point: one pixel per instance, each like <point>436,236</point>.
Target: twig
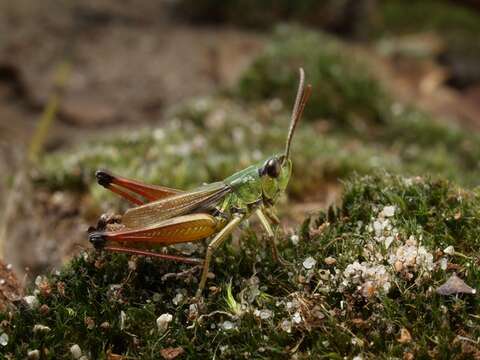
<point>181,274</point>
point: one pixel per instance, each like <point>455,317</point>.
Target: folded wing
<point>175,205</point>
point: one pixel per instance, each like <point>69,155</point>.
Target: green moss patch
<point>344,92</point>
<point>426,15</point>
<point>362,282</point>
<point>352,100</point>
<point>208,139</point>
<point>457,24</point>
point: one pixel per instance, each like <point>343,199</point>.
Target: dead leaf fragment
<point>171,353</point>
<point>398,266</point>
<point>112,356</point>
<point>451,266</point>
<point>358,322</point>
<point>61,288</point>
<point>455,285</point>
<point>330,260</point>
<point>10,289</point>
<point>405,336</point>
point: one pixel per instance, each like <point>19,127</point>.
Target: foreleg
<point>271,237</point>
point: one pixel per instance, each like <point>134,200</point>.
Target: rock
<point>228,325</point>
<point>309,263</point>
<point>164,321</point>
<point>455,285</point>
<point>39,328</point>
<point>449,250</point>
<point>31,301</point>
<point>76,351</point>
<point>389,211</point>
<point>3,339</point>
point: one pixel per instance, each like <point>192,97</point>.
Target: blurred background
<point>183,92</point>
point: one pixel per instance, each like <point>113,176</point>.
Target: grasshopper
<point>169,216</point>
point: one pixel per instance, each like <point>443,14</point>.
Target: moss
<point>345,92</point>
<point>217,137</point>
<point>458,25</point>
<point>437,147</point>
<point>260,310</point>
<point>426,15</point>
<point>352,99</point>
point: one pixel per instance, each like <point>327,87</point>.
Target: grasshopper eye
<point>271,168</point>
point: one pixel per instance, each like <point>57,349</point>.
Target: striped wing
<point>175,230</point>
<point>180,204</point>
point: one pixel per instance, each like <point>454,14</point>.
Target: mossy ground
<point>258,309</point>
<point>358,302</point>
<point>351,125</point>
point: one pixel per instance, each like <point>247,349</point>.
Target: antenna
<point>303,93</point>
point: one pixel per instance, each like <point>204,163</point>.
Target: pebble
<point>297,318</point>
<point>286,326</point>
<point>4,339</point>
<point>33,354</point>
<point>41,328</point>
<point>76,351</point>
<point>31,301</point>
<point>228,325</point>
<point>264,314</point>
<point>309,263</point>
<point>294,239</point>
<point>164,321</point>
<point>178,299</point>
<point>443,264</point>
<point>449,250</point>
<point>389,211</point>
<point>455,285</point>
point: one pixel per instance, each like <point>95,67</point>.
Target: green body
<point>250,188</point>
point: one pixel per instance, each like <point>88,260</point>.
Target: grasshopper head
<point>275,172</point>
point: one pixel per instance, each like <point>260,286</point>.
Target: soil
<point>122,73</point>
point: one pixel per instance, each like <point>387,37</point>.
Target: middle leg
<point>214,244</point>
<point>271,237</point>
